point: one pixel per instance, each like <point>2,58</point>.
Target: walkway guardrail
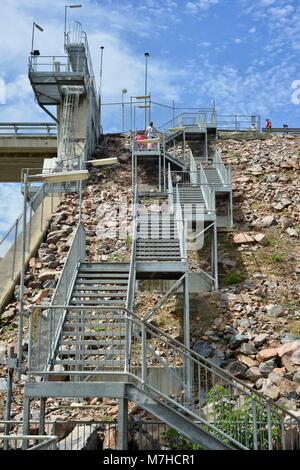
<point>207,191</point>
<point>200,119</point>
<point>170,191</point>
<point>56,64</point>
<point>223,170</point>
<point>50,325</point>
<point>181,226</point>
<point>27,129</point>
<point>38,210</point>
<point>220,403</point>
<point>238,122</point>
<point>15,442</point>
<point>142,434</point>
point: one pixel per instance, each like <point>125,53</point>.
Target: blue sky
<point>242,54</point>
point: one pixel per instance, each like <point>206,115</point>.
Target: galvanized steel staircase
<point>87,341</point>
<point>157,238</point>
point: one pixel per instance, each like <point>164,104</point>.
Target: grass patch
<point>277,258</point>
<point>271,242</point>
<point>232,278</point>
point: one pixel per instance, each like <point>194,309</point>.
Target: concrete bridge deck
<point>24,151</point>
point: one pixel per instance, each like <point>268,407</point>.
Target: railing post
<point>269,418</point>
<point>22,277</point>
<point>144,354</point>
<point>15,248</point>
<point>254,423</point>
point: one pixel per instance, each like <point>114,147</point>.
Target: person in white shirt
<point>151,134</point>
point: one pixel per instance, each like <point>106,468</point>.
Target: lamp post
<point>124,91</point>
<point>146,85</point>
<point>68,6</point>
<point>34,25</point>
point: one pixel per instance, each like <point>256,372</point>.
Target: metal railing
<point>72,434</point>
<point>145,145</point>
<point>15,442</point>
<point>27,129</point>
<point>193,171</point>
<point>38,211</point>
<point>202,119</point>
<point>50,325</point>
<point>238,122</point>
<point>57,65</point>
<point>187,383</point>
<point>170,192</point>
<point>223,170</point>
<point>207,191</point>
<point>132,276</point>
<point>181,226</point>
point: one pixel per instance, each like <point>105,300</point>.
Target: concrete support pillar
<point>122,443</point>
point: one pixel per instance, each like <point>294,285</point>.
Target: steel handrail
<point>177,355</point>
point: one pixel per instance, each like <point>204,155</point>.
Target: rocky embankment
<point>256,335</point>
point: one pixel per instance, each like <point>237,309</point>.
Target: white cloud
<point>252,30</point>
<point>200,6</point>
<point>237,40</point>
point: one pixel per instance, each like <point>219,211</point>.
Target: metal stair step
<point>104,363</point>
<point>101,281</point>
<point>67,333</point>
<point>84,275</point>
<point>91,352</point>
<point>99,288</point>
<point>92,342</point>
<point>86,293</point>
<point>103,302</point>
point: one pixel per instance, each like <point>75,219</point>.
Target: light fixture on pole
<point>68,6</point>
<point>34,25</point>
<point>146,85</point>
<point>124,91</point>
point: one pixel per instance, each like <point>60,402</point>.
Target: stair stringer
<point>174,419</point>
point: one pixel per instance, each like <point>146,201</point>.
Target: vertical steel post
<point>26,418</point>
<point>123,424</point>
<point>42,416</point>
<point>144,354</point>
<point>22,277</point>
<point>215,236</point>
<point>186,316</point>
<point>146,85</point>
<point>10,367</point>
<point>15,248</point>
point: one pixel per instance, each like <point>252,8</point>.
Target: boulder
<point>237,340</point>
<point>237,369</point>
<point>203,348</point>
<point>296,357</point>
<point>243,238</point>
<point>259,340</point>
<point>266,354</point>
<point>288,348</point>
<point>267,367</point>
<point>275,311</point>
<point>296,377</point>
<point>253,374</point>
